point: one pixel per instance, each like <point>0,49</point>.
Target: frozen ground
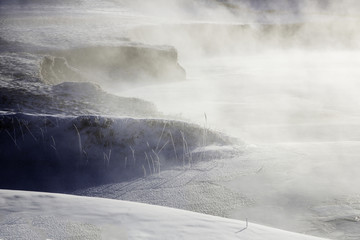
<point>31,215</point>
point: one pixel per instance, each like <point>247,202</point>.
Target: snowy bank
<point>56,153</point>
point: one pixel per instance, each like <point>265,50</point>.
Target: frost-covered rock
<point>118,66</point>
<point>71,98</point>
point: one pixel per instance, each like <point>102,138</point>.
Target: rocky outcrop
<point>58,153</point>
<point>131,64</point>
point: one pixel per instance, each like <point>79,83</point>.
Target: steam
<point>283,76</point>
<point>223,27</point>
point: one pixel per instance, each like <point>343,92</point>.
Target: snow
<point>36,215</point>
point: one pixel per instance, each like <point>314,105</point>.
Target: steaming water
<point>276,96</point>
<point>299,108</point>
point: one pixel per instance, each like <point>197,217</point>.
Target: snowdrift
<point>31,215</point>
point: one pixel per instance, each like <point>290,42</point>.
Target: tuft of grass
<point>205,133</point>
<point>158,161</point>
<point>163,147</point>
<point>148,161</point>
<point>21,130</point>
<point>153,163</point>
<point>79,140</point>
<point>162,133</point>
<point>13,138</point>
<point>107,158</point>
<point>53,145</point>
<point>133,154</point>
<point>42,135</point>
<point>26,123</point>
<point>144,170</point>
<point>173,143</point>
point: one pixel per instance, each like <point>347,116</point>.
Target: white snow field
<point>37,215</point>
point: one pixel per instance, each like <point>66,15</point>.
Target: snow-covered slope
<point>32,215</point>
